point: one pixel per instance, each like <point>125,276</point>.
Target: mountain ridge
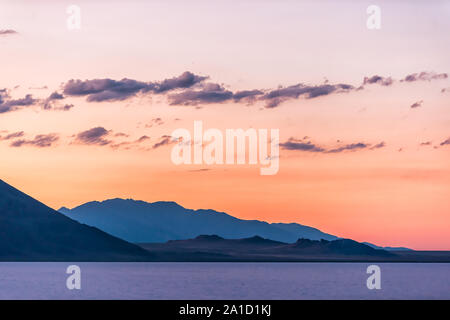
<point>169,215</point>
<point>169,218</point>
<point>256,248</point>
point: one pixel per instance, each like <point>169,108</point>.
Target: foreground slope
<point>215,248</point>
<point>257,249</point>
<point>31,231</point>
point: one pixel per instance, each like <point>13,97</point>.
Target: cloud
<point>156,121</point>
<point>417,104</point>
<point>6,32</point>
<point>105,89</point>
<point>129,144</point>
<point>352,146</point>
<point>12,135</point>
<point>427,143</point>
<point>247,95</point>
<point>121,134</point>
<point>185,80</point>
<point>99,136</point>
<point>47,104</point>
<point>215,93</point>
<point>98,90</point>
<point>199,170</point>
<point>7,104</point>
<point>142,139</point>
<point>308,146</point>
<point>421,76</point>
<point>300,145</point>
<point>40,141</point>
<point>94,136</point>
<point>378,80</point>
<point>189,89</point>
<point>274,97</point>
<point>445,143</point>
<point>210,93</point>
<point>424,76</point>
<point>378,146</point>
<point>163,141</point>
<point>65,107</point>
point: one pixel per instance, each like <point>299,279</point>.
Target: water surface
<point>224,281</point>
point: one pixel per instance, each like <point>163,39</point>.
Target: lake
<point>224,281</point>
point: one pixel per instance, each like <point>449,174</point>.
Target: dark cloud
<point>308,146</point>
<point>156,121</point>
<point>65,107</point>
<point>142,139</point>
<point>274,97</point>
<point>210,93</point>
<point>300,145</point>
<point>40,141</point>
<point>128,144</point>
<point>185,80</point>
<point>7,104</point>
<point>121,134</point>
<point>105,89</point>
<point>98,90</point>
<point>445,143</point>
<point>247,95</point>
<point>55,96</point>
<point>378,145</point>
<point>353,146</point>
<point>417,104</point>
<point>191,90</point>
<point>378,80</point>
<point>215,93</point>
<point>6,32</point>
<point>421,76</point>
<point>163,141</point>
<point>425,76</point>
<point>12,135</point>
<point>427,143</point>
<point>47,104</point>
<point>94,136</point>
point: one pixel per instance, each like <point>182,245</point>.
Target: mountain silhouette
<point>143,222</point>
<point>31,231</point>
<point>256,248</point>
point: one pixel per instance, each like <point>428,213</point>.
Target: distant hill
<point>388,248</point>
<point>31,231</point>
<point>139,222</point>
<point>215,248</point>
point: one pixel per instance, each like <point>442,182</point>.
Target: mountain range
<point>139,222</point>
<point>212,248</point>
<point>129,230</point>
<point>215,248</point>
<point>143,222</point>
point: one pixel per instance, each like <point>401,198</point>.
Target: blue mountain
<point>143,222</point>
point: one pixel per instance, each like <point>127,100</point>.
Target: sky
<point>363,114</point>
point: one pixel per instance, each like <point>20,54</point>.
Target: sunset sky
<point>364,115</point>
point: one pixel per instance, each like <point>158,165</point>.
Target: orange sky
<point>395,195</point>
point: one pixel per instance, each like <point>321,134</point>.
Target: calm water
<point>224,281</point>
